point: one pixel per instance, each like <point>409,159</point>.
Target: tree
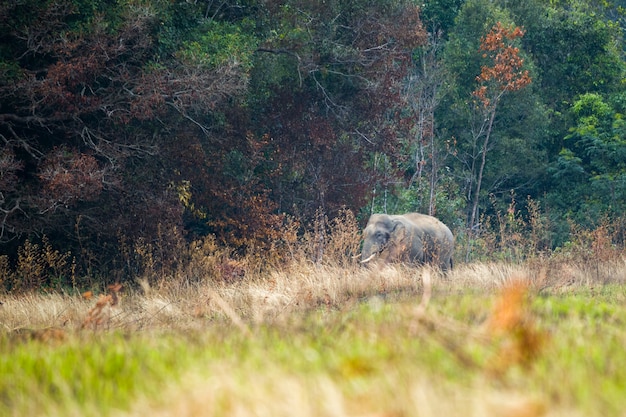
<point>504,75</point>
<point>326,88</point>
<point>591,167</point>
<point>439,15</point>
<point>93,93</point>
<point>428,186</point>
<point>425,88</point>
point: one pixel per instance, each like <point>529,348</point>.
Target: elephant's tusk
<point>368,259</point>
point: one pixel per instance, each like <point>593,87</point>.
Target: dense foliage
<point>127,122</point>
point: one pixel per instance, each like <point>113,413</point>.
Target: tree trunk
<point>479,180</point>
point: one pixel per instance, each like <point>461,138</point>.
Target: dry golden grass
<point>270,296</point>
<point>182,304</point>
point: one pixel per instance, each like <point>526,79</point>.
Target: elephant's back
<point>424,220</point>
<point>432,226</point>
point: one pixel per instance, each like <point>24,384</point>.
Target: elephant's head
<point>388,238</point>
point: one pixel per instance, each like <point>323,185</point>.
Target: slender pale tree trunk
<point>481,169</point>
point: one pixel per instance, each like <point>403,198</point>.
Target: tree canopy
<point>125,121</point>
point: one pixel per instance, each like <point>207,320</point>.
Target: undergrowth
<point>514,237</point>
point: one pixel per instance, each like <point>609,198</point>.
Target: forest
<point>130,129</point>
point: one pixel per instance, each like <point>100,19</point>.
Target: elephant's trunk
<point>368,252</point>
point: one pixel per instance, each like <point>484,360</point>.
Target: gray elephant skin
<point>412,238</point>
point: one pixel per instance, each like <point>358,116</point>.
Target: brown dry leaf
<point>88,295</point>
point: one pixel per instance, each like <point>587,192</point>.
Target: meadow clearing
<point>544,337</point>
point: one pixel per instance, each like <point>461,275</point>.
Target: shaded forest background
<point>131,128</point>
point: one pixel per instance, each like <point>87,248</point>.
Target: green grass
<point>585,361</point>
<point>97,371</point>
<point>373,355</point>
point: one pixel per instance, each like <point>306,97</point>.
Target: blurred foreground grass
<point>469,350</point>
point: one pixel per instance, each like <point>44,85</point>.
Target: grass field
<point>537,339</point>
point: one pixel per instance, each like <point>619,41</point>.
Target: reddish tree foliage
<point>69,176</point>
<point>84,111</point>
<point>505,73</point>
<point>9,166</point>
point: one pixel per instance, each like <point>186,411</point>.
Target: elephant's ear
<point>399,231</point>
<point>400,239</point>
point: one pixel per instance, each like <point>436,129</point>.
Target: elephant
<point>413,237</point>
